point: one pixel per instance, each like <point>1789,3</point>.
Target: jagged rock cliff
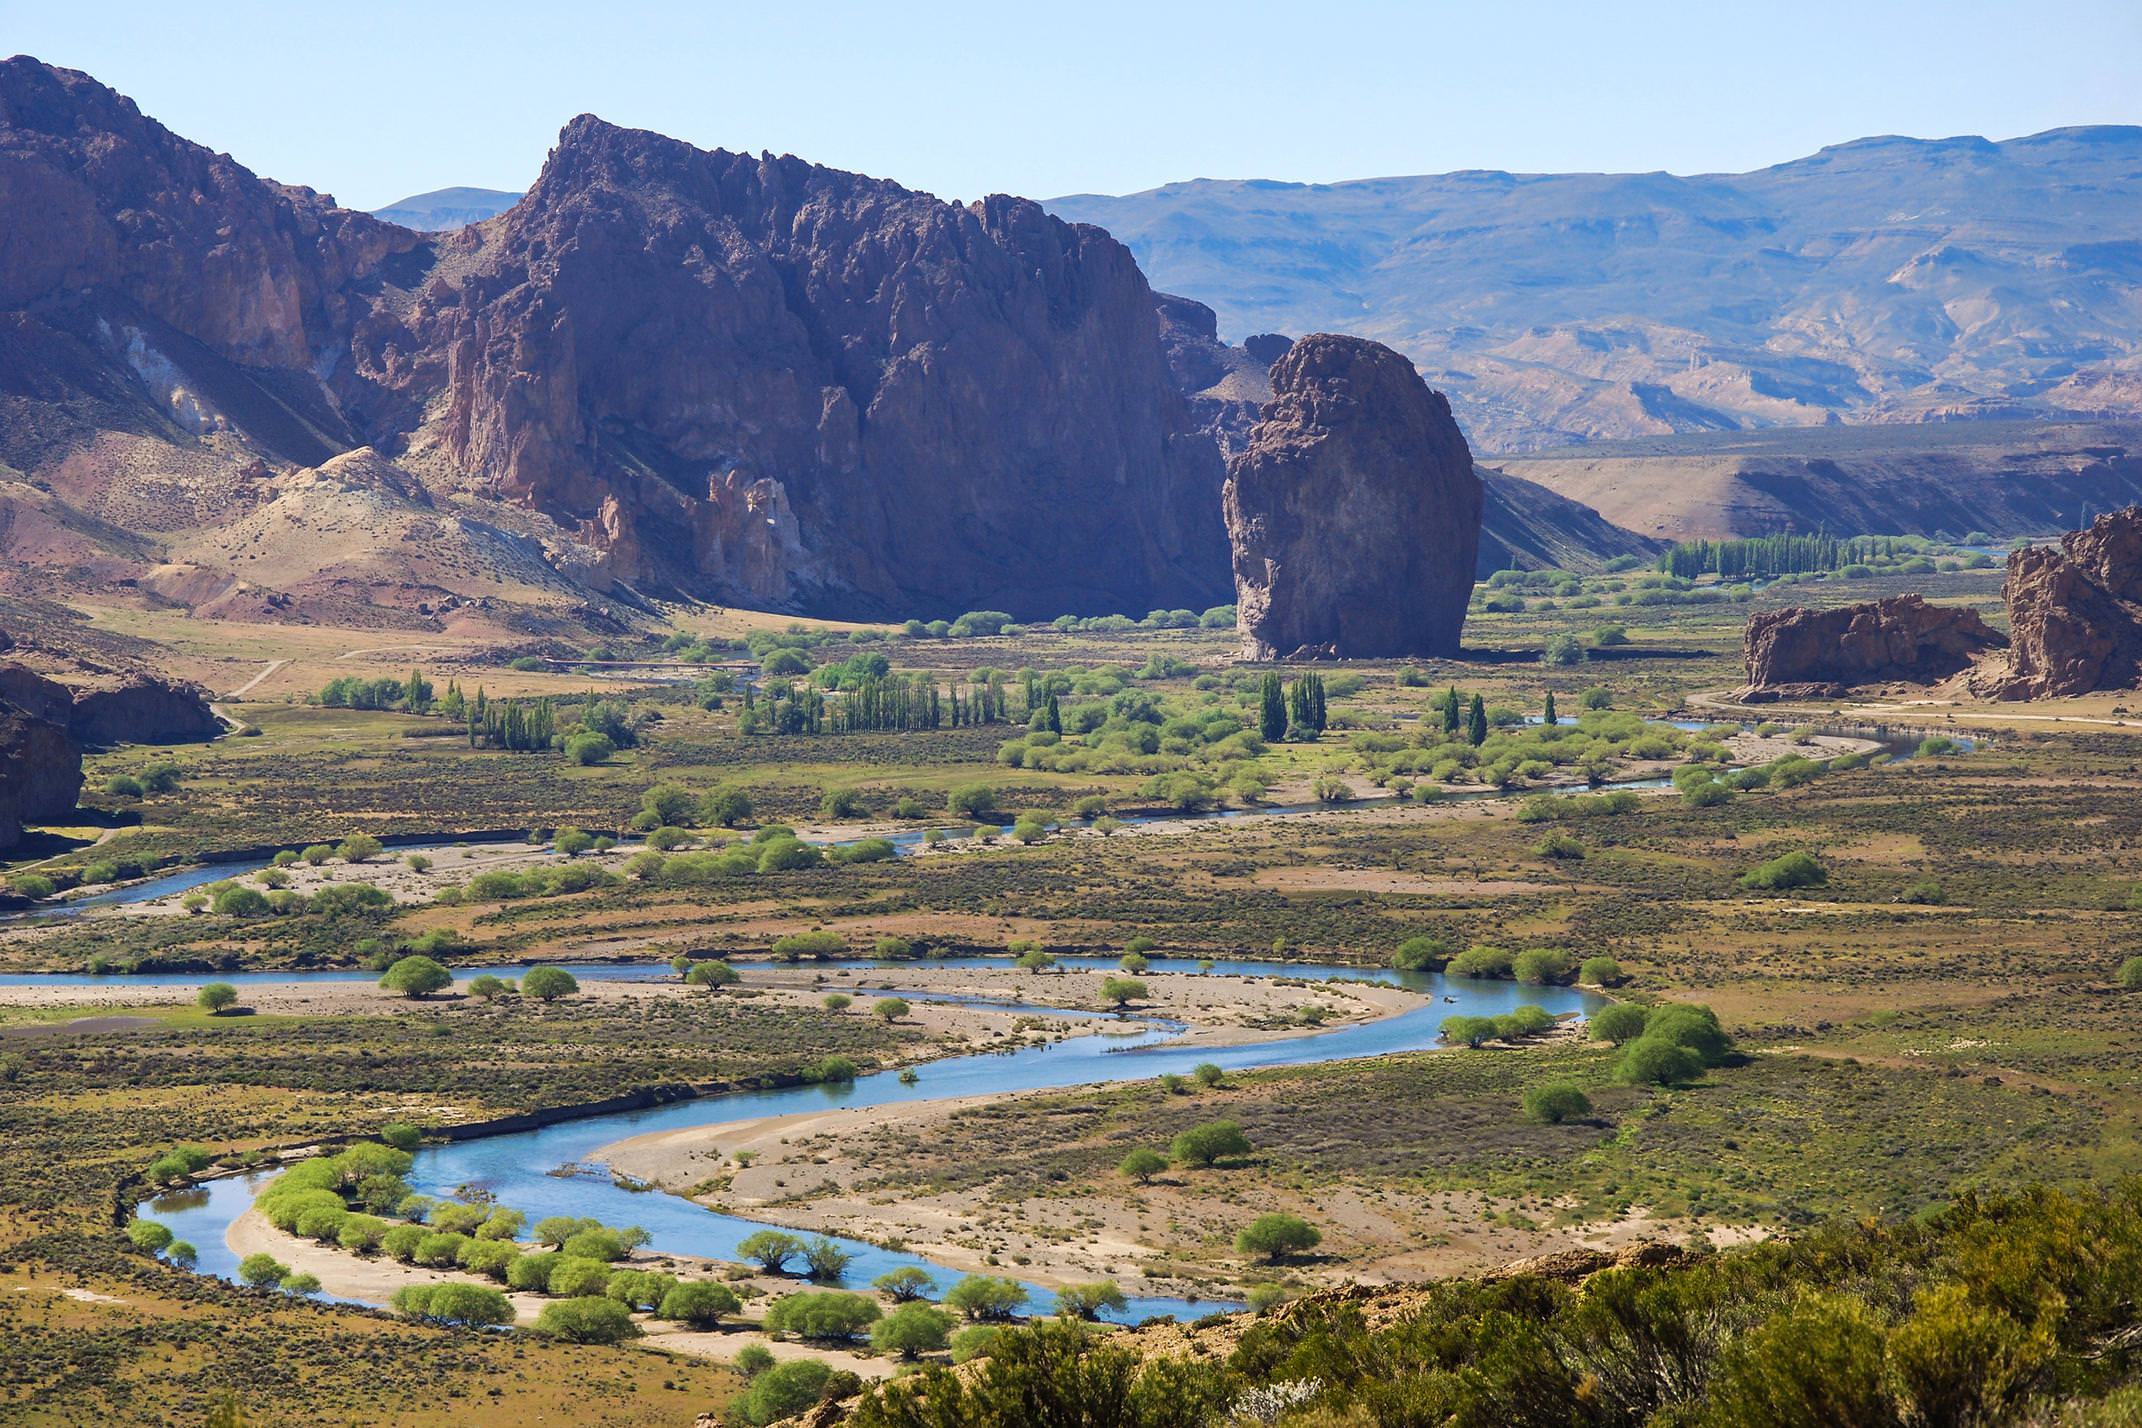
<point>1354,511</point>
<point>744,377</point>
<point>2075,614</point>
<point>1798,653</point>
<point>40,762</point>
<point>795,386</point>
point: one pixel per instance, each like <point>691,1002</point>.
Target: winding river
<point>517,1167</point>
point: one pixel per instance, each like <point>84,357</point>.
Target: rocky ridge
<point>1353,510</point>
<point>663,370</point>
<point>1797,653</point>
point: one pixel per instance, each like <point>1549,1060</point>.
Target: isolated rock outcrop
<point>1798,653</point>
<point>143,709</point>
<point>2075,614</point>
<point>40,762</point>
<point>1353,512</point>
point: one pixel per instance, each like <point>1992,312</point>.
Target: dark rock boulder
<point>1798,653</point>
<point>1353,511</point>
<point>143,709</point>
<point>40,762</point>
<point>2075,614</point>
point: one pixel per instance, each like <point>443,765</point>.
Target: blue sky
<point>374,101</point>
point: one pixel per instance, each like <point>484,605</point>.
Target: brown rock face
<point>741,377</point>
<point>144,709</point>
<point>1798,653</point>
<point>795,386</point>
<point>40,763</point>
<point>1354,512</point>
<point>124,209</point>
<point>2075,614</point>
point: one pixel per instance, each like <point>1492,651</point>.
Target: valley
<point>713,790</point>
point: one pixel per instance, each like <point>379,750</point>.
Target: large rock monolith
<point>1353,512</point>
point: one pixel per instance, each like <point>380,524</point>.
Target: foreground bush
<point>2018,1310</point>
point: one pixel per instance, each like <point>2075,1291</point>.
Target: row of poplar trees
<point>1296,708</point>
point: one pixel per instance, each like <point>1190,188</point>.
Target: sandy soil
<point>804,1171</point>
<point>1220,1011</point>
<point>390,871</point>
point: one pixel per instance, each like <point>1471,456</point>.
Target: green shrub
<point>782,1391</point>
<point>1276,1236</point>
<point>698,1303</point>
<point>1599,972</point>
<point>587,1320</point>
<point>1620,1023</point>
<point>1541,966</point>
<point>1421,954</point>
<point>1481,962</point>
<point>1555,1102</point>
<point>1206,1144</point>
<point>1790,870</point>
<point>823,1314</point>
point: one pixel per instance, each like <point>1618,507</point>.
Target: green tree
<point>262,1269</point>
<point>359,848</point>
<point>2131,974</point>
<point>904,1284</point>
<point>1472,1031</point>
<point>572,842</point>
<point>548,984</point>
<point>1272,708</point>
<point>825,1260</point>
<point>1600,972</point>
<point>782,1391</point>
<point>416,977</point>
<point>699,1303</point>
<point>1658,1061</point>
<point>723,808</point>
<point>1476,725</point>
<point>1789,870</point>
<point>1547,715</point>
<point>986,1298</point>
<point>489,987</point>
<point>588,749</point>
<point>587,1319</point>
<point>1554,1102</point>
<point>216,998</point>
<point>1275,1236</point>
<point>1143,1164</point>
<point>670,805</point>
<point>1122,990</point>
<point>1204,1145</point>
<point>912,1330</point>
<point>712,974</point>
<point>770,1250</point>
<point>1090,1301</point>
<point>1620,1023</point>
<point>821,1314</point>
<point>889,1008</point>
<point>148,1235</point>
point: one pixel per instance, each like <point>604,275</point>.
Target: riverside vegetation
<point>1872,1057</point>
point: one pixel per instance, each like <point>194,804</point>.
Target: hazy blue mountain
<point>445,209</point>
<point>1889,279</point>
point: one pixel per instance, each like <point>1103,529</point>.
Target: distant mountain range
<point>1886,280</point>
<point>445,209</point>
